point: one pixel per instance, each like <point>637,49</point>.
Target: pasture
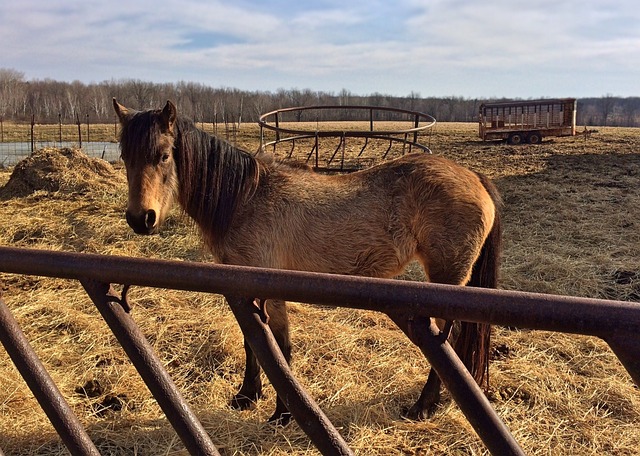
<point>570,228</point>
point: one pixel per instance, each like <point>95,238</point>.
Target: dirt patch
<point>60,170</point>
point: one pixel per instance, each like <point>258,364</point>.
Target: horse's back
<point>371,222</point>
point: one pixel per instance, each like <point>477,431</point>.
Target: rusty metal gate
<point>409,304</point>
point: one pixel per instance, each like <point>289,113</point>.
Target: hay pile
<point>570,228</point>
<point>60,170</point>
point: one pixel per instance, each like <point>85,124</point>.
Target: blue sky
<point>491,48</point>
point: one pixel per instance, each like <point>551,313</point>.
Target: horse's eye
<point>165,158</point>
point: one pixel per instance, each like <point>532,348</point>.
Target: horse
<point>255,211</point>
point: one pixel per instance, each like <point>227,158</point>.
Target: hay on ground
<point>570,220</point>
<point>60,170</point>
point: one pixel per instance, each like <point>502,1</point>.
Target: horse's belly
<point>361,254</point>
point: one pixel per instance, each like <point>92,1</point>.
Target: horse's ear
<point>169,114</point>
<point>121,111</point>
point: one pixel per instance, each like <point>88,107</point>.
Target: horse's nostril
<point>150,219</point>
<point>144,223</point>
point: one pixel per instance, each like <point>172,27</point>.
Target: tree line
<point>50,101</point>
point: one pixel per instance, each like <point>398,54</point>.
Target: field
<point>570,227</point>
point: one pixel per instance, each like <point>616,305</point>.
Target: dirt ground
<point>570,227</point>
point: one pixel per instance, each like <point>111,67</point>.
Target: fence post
<point>626,347</point>
<point>79,130</point>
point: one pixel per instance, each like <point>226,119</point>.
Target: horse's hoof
<point>280,419</point>
<point>416,413</point>
<point>242,402</point>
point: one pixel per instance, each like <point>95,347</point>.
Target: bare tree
<point>11,81</point>
<point>606,107</point>
<point>48,99</point>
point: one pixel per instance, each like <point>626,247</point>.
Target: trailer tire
<point>515,139</point>
<point>534,138</point>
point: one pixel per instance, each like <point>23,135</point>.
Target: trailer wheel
<point>515,139</point>
<point>534,138</point>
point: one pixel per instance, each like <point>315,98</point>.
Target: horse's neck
<point>215,178</point>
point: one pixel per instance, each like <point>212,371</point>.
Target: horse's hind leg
<point>251,388</point>
<point>429,399</point>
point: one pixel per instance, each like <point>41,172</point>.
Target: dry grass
<point>570,228</point>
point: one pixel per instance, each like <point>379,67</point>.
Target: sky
<point>472,49</point>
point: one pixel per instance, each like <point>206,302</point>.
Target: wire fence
<point>11,153</point>
<point>20,140</point>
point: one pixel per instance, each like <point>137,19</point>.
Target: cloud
<point>523,32</point>
<point>364,46</point>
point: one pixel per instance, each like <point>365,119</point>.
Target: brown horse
<point>373,222</point>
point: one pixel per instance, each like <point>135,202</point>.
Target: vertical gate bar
<point>293,146</point>
<point>141,354</point>
<point>344,145</point>
<point>261,138</point>
<point>627,348</point>
<point>304,409</point>
<point>64,421</point>
<point>463,388</point>
<point>316,147</point>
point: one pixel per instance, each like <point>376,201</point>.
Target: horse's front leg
<point>275,314</point>
<point>251,389</point>
<point>278,321</point>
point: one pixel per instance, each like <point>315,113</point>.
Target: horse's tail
<point>473,342</point>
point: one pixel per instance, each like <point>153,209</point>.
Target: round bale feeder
<point>343,138</point>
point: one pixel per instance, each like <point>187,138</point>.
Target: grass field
<point>570,227</point>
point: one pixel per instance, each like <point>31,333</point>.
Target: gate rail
<point>409,304</point>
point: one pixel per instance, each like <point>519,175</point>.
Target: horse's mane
<point>214,178</point>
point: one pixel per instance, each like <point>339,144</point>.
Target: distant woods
<point>49,101</point>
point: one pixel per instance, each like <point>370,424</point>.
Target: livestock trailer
<point>527,121</point>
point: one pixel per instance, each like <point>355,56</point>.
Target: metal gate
<point>409,304</point>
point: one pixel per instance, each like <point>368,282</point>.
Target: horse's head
<point>147,146</point>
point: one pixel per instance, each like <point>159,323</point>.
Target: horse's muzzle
<point>146,223</point>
